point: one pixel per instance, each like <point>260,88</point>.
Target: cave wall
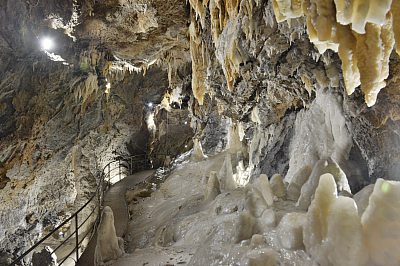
<point>54,146</point>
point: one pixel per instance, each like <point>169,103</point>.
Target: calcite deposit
<point>254,108</point>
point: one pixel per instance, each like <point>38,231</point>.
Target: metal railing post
<point>99,200</point>
<point>119,169</point>
<point>77,239</point>
<point>109,175</point>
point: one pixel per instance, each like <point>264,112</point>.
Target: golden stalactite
<point>200,60</point>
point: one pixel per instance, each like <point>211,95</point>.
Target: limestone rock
<point>277,186</point>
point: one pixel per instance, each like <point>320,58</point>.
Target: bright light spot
<point>185,122</point>
<point>47,43</point>
<point>185,146</point>
<point>150,104</point>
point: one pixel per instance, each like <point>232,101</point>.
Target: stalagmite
<point>212,190</point>
<point>381,223</point>
<point>254,201</point>
<point>290,230</point>
<point>277,186</point>
<point>244,226</point>
<point>266,221</point>
<point>298,180</point>
<point>345,238</point>
<point>225,175</point>
<point>197,154</point>
<point>362,198</point>
<point>109,246</point>
<point>315,229</point>
<point>321,167</point>
<point>262,184</point>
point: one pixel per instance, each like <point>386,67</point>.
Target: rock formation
<point>302,89</point>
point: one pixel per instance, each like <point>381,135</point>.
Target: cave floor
<point>115,198</point>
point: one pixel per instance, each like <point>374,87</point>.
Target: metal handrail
<point>101,188</point>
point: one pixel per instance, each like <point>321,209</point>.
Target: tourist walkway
<point>115,198</point>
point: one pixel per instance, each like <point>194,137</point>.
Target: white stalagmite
<point>277,186</point>
<point>345,237</point>
<point>381,223</point>
<point>109,246</point>
<point>362,198</point>
<point>197,154</point>
<point>225,175</point>
<point>254,201</point>
<point>315,229</point>
<point>266,221</point>
<point>321,167</point>
<point>234,140</point>
<point>290,230</point>
<point>244,226</point>
<point>262,184</point>
<point>298,180</point>
<point>212,190</point>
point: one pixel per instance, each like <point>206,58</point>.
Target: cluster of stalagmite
<point>362,32</point>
